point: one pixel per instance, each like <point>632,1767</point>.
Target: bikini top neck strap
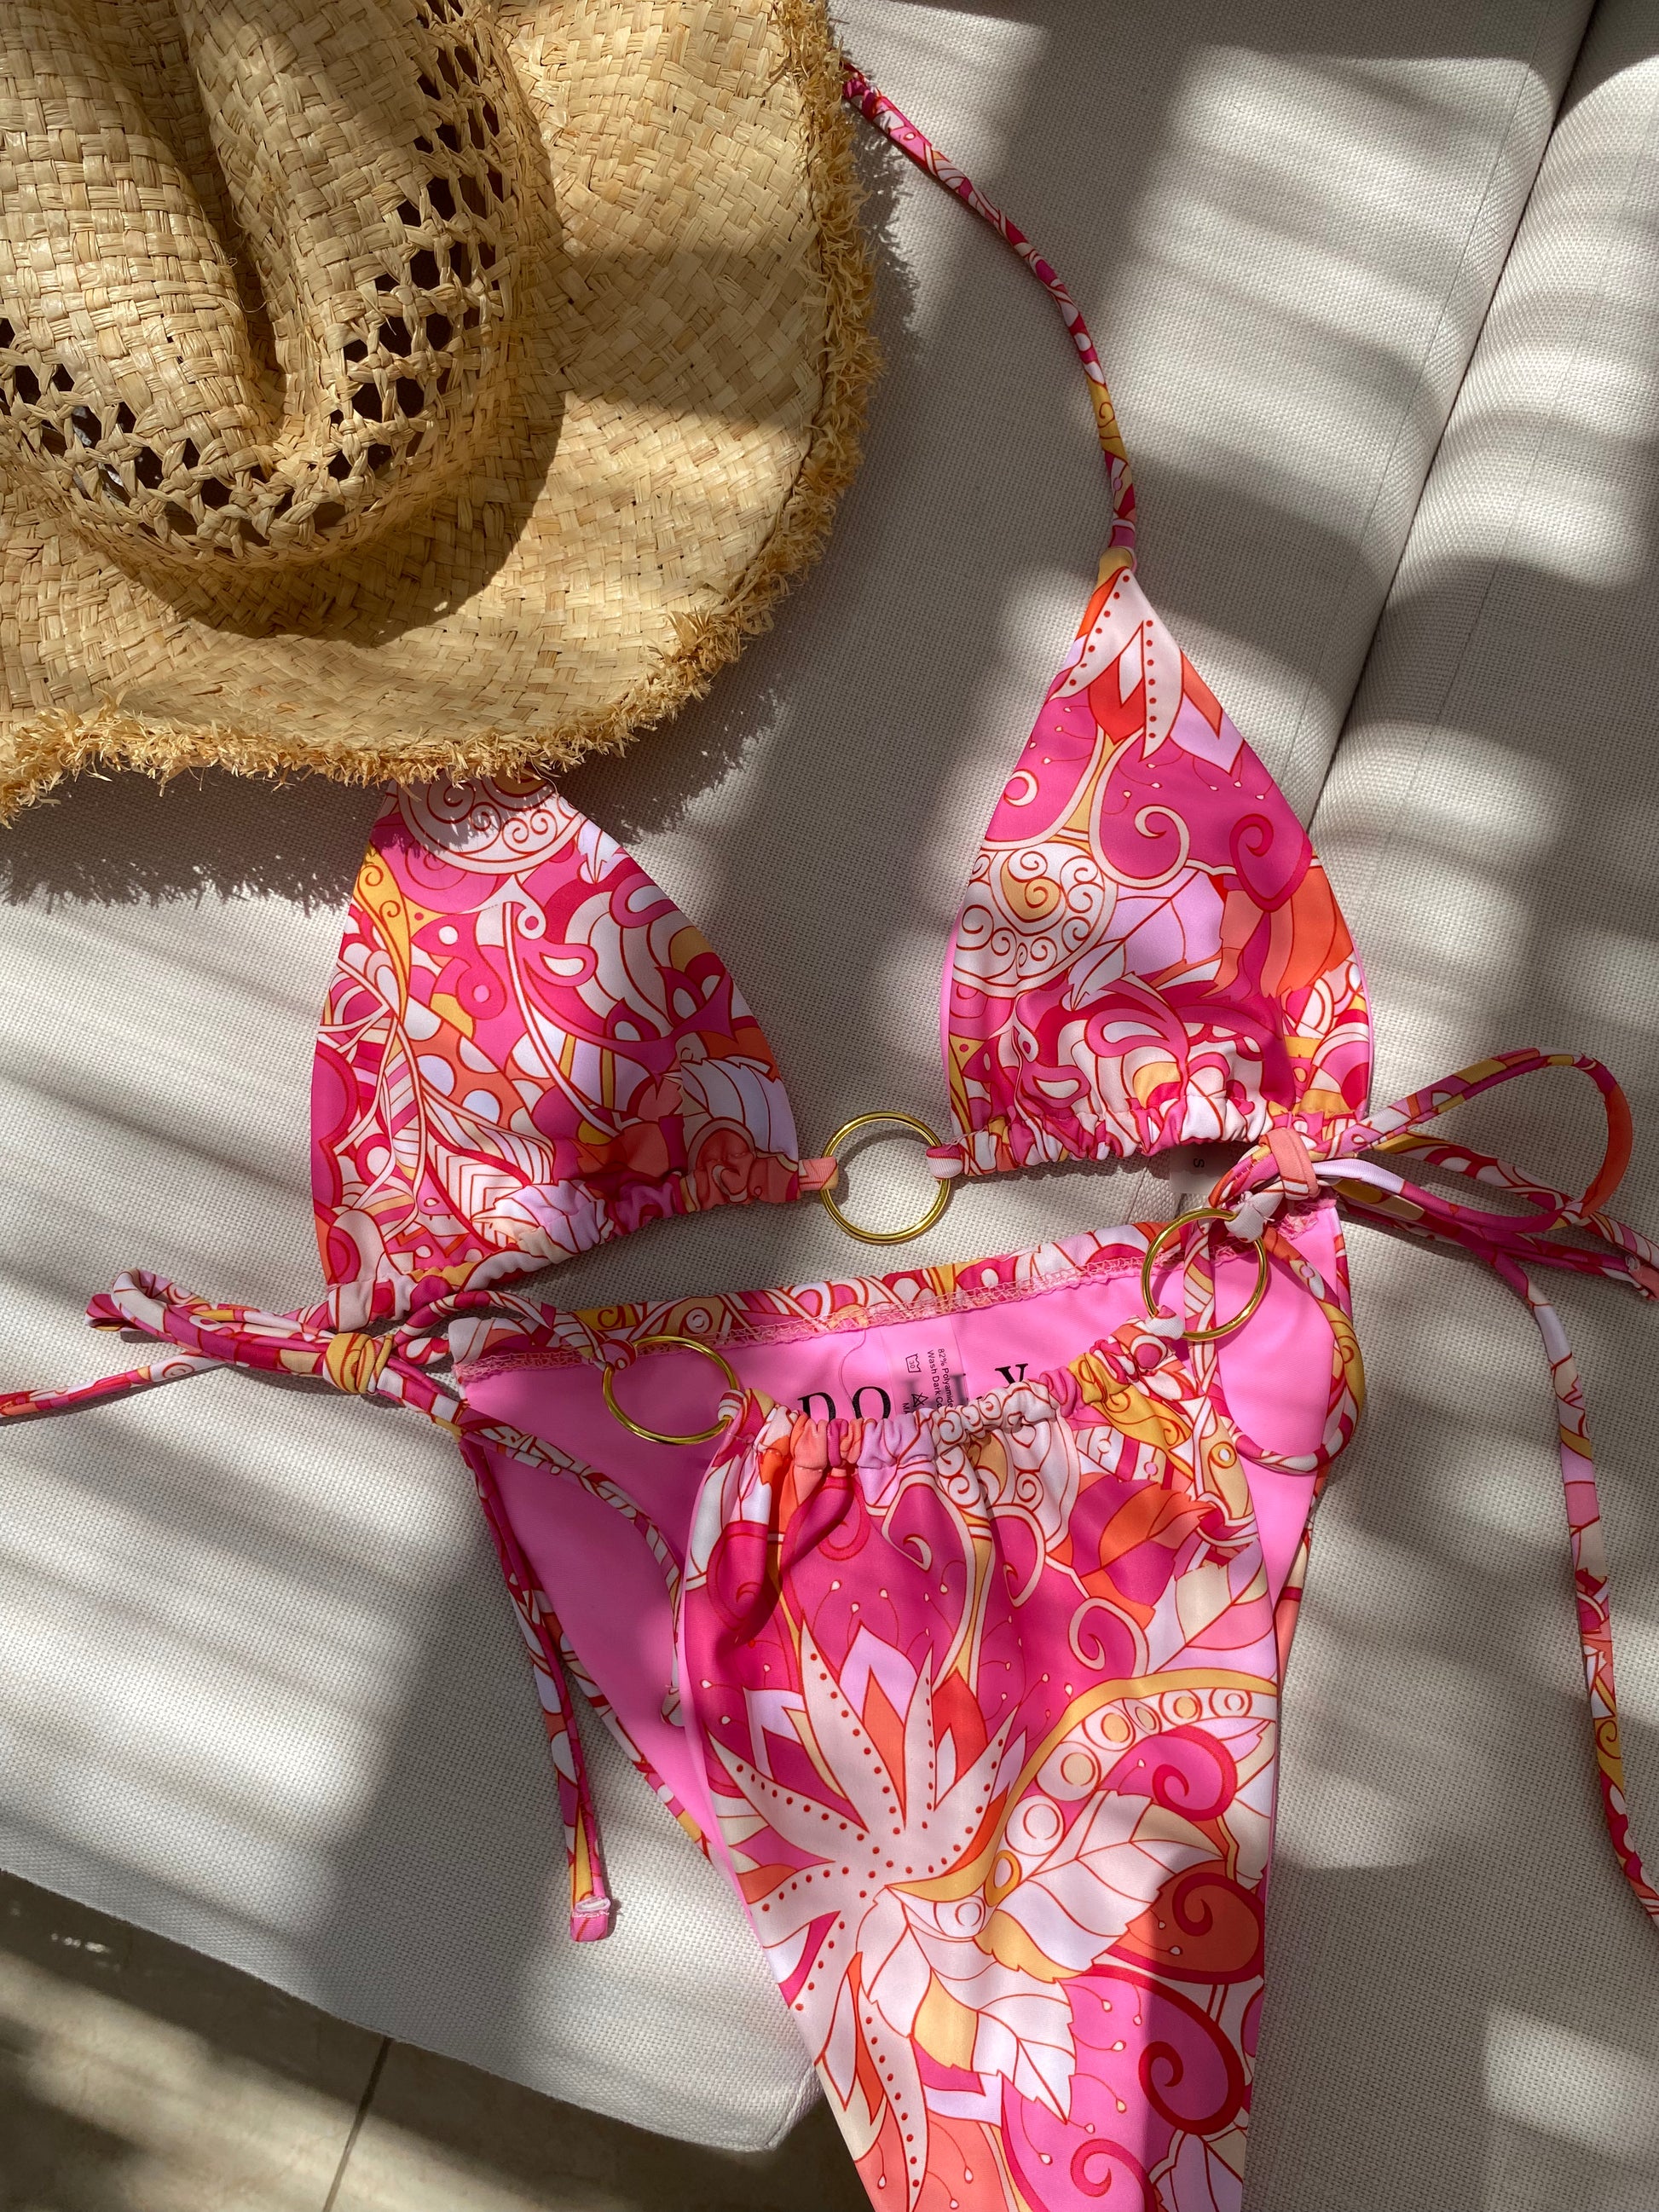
<point>891,120</point>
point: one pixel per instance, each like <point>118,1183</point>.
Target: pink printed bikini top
<point>527,1049</point>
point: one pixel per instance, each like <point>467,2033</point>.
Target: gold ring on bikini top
<point>941,1197</point>
<point>608,1385</point>
<point>1173,1229</point>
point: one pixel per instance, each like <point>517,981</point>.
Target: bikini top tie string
<point>1509,1243</point>
<point>210,1335</point>
<point>1283,1162</point>
<point>392,1367</point>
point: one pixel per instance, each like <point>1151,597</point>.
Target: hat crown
<point>272,395</point>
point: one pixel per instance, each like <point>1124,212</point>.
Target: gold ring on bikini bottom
<point>941,1196</point>
<point>660,1435</point>
<point>1170,1228</point>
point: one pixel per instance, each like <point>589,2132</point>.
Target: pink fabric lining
<point>608,1587</point>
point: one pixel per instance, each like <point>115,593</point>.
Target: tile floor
<point>138,2076</point>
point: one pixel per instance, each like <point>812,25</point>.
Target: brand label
<point>885,1372</point>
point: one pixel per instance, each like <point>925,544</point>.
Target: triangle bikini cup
<point>528,1050</point>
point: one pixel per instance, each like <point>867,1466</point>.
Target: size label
<point>1194,1170</point>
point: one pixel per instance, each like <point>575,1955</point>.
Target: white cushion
<point>1462,1993</point>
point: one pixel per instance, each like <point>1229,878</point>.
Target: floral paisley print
<point>527,1049</point>
<point>979,1704</point>
<point>1149,953</point>
<point>990,1702</point>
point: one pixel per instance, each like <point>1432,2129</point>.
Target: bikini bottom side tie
<point>201,1337</point>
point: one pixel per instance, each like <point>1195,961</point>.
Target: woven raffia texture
<point>401,385</point>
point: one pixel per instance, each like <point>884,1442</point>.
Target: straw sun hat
<point>397,386</point>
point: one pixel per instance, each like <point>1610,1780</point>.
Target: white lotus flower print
<point>1078,1897</point>
<point>872,1975</point>
<point>956,1924</point>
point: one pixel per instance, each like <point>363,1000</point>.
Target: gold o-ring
<point>941,1196</point>
<point>608,1385</point>
<point>1263,1272</point>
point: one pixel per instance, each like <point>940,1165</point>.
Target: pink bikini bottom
<point>963,1655</point>
<point>963,1652</point>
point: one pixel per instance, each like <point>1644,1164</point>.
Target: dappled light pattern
<point>985,1696</point>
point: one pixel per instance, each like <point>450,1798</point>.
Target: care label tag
<point>929,1374</point>
<point>907,1369</point>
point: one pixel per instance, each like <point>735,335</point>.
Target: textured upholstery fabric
<point>258,1686</point>
<point>1460,1971</point>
